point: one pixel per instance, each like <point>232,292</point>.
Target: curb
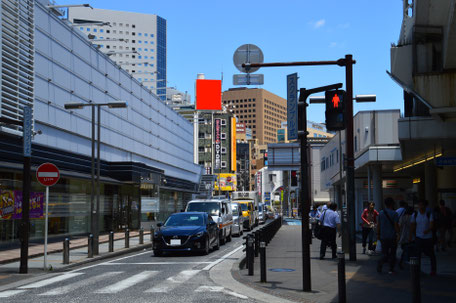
<point>2,262</point>
<point>103,257</point>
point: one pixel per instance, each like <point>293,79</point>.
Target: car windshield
<point>212,208</point>
<point>185,220</point>
<point>260,207</point>
<point>243,206</point>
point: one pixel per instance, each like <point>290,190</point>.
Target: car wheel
<point>206,248</point>
<point>217,244</point>
<point>222,238</point>
<point>228,238</point>
<point>158,253</point>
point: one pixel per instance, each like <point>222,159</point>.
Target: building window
<point>223,150</point>
<point>223,122</point>
<point>223,164</point>
<point>201,149</point>
<point>223,136</point>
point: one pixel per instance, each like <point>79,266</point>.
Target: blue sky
<point>203,35</point>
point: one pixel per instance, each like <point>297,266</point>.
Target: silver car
<point>238,219</point>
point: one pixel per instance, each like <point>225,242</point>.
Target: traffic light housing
<point>294,178</point>
<point>335,109</point>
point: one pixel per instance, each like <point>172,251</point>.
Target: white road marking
<point>157,263</point>
<point>73,286</point>
<point>9,293</point>
<point>124,284</point>
<point>51,280</point>
<point>95,265</point>
<point>212,264</point>
<point>173,281</point>
<point>220,289</point>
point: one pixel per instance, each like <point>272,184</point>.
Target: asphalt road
<point>139,277</point>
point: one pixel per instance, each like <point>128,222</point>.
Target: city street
<point>139,277</point>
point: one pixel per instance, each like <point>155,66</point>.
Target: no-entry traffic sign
<point>47,174</point>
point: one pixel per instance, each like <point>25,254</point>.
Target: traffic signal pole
<point>350,157</point>
<point>347,62</point>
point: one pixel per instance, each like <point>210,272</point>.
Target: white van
<point>221,213</point>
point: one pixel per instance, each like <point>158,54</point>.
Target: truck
<point>248,196</point>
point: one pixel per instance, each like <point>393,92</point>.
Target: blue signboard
<point>292,106</point>
<point>27,129</point>
<point>445,161</point>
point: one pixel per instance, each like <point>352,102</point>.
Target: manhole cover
<point>281,269</point>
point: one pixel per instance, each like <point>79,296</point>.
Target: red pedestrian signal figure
<point>335,110</point>
<point>335,101</point>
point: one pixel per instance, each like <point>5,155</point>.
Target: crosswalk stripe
<point>51,280</point>
<point>220,289</point>
<point>9,293</point>
<point>73,286</point>
<point>124,284</point>
<point>173,281</point>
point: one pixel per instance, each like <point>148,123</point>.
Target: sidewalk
<point>363,282</point>
<point>9,270</point>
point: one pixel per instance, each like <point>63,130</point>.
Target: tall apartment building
<point>261,111</point>
<point>136,42</point>
<point>314,129</point>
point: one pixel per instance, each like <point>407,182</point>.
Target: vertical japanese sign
<point>217,142</point>
<point>233,144</point>
<point>27,129</point>
<point>292,106</point>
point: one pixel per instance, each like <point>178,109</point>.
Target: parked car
<point>190,231</point>
<point>262,214</point>
<point>220,210</point>
<point>238,219</point>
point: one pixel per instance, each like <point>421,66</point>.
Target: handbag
<point>318,227</point>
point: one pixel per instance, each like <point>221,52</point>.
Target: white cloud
<point>333,44</point>
<point>319,23</point>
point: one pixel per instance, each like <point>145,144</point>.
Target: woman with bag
<point>369,218</point>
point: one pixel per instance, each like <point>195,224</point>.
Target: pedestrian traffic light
<point>335,109</point>
<point>294,178</point>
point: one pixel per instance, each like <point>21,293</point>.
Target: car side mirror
<point>159,224</point>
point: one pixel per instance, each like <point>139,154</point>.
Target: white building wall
<point>70,69</point>
<point>142,38</point>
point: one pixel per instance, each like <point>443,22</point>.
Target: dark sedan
<point>187,231</point>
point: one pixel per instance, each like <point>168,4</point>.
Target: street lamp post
<point>95,208</point>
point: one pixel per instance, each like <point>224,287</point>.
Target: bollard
<point>341,276</point>
<point>141,235</point>
<point>90,246</point>
<point>152,231</point>
<point>263,261</point>
<point>250,259</point>
<point>111,241</point>
<point>415,275</point>
<point>127,238</point>
<point>66,251</point>
<point>257,242</point>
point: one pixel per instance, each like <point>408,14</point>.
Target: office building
<point>261,111</point>
<point>135,41</point>
<point>147,169</point>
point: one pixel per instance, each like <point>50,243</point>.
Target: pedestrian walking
<point>404,236</point>
<point>402,207</point>
<point>422,223</point>
<point>313,217</point>
<point>446,216</point>
<point>369,222</point>
<point>387,231</point>
<point>330,221</point>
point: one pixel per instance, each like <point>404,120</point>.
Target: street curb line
<point>3,262</point>
<point>103,257</point>
<point>235,272</point>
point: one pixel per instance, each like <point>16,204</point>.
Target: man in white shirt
<point>422,223</point>
<point>330,221</point>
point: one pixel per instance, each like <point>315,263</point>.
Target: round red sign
<point>47,174</point>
